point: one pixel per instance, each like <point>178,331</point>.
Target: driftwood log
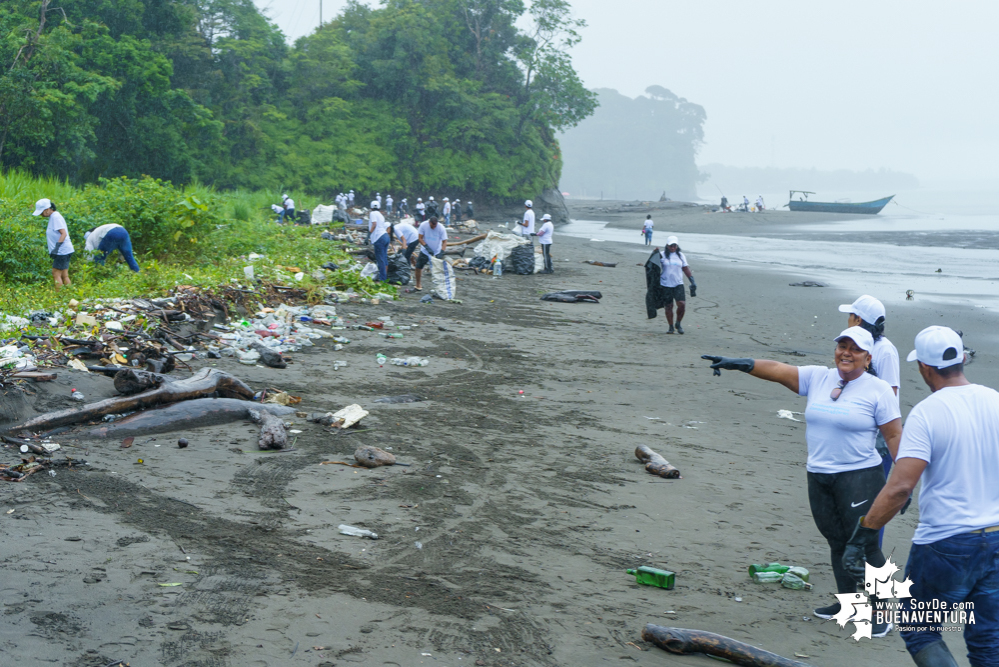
<point>129,381</point>
<point>656,464</point>
<point>474,239</point>
<point>273,434</point>
<point>206,382</point>
<point>372,457</point>
<point>683,642</point>
<point>195,413</point>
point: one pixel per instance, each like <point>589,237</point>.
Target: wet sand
<point>528,508</point>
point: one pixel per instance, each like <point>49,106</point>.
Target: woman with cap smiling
<point>847,407</point>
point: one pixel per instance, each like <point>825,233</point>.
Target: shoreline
<point>529,507</point>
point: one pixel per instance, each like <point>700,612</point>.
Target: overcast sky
<point>850,84</point>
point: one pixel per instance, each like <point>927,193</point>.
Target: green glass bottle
<point>650,576</point>
<point>769,567</point>
<point>767,577</point>
<point>799,572</point>
<point>794,582</point>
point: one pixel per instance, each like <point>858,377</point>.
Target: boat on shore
<point>862,208</point>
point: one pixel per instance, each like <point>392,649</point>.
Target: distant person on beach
<point>421,209</point>
<point>389,204</point>
<point>526,225</point>
<point>647,229</point>
<point>446,211</point>
<point>433,238</point>
<point>379,237</point>
<point>57,238</point>
<point>847,407</point>
<point>759,204</point>
<point>724,204</point>
<point>545,239</point>
<point>674,268</point>
<point>951,443</point>
<point>469,211</point>
<point>745,204</point>
<point>287,208</point>
<point>408,238</point>
<point>456,210</point>
<point>104,240</point>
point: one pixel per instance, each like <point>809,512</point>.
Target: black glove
<point>908,501</point>
<point>693,288</point>
<point>854,556</point>
<point>730,364</point>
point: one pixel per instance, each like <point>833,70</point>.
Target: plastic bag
<point>369,270</point>
<point>521,260</point>
<point>398,270</point>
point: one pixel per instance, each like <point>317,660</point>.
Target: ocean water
<point>887,255</point>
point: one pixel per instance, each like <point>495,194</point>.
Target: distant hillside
<point>634,148</point>
<point>737,180</point>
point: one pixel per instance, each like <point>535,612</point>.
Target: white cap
<point>445,199</point>
<point>545,217</point>
<point>41,205</point>
<point>670,240</point>
<point>866,308</point>
<point>528,203</point>
<point>419,199</point>
<point>284,196</point>
<point>939,347</point>
<point>431,199</point>
<point>862,337</point>
<point>375,205</point>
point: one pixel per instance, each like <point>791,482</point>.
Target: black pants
<point>838,500</point>
<point>408,253</point>
<point>546,248</point>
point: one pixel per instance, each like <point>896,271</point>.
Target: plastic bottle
<point>374,325</point>
<point>497,268</point>
<point>76,396</point>
<point>650,576</point>
<point>381,359</point>
<point>794,582</point>
<point>769,567</point>
<point>767,577</point>
<point>390,335</point>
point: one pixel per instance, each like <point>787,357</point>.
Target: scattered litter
<point>404,398</point>
<point>76,364</point>
<point>808,283</point>
<point>655,464</point>
<point>609,265</point>
<point>788,414</point>
<point>354,531</point>
<point>651,576</point>
<point>283,398</point>
<point>171,584</point>
<point>373,457</point>
<point>418,545</point>
<point>573,296</point>
<point>182,443</point>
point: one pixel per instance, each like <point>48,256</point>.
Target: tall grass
<point>18,187</point>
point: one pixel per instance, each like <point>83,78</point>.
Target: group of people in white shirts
<point>544,234</point>
<point>430,237</point>
<point>950,441</point>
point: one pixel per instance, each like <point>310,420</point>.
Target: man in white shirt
<point>647,229</point>
<point>456,210</point>
<point>421,209</point>
<point>951,442</point>
<point>433,238</point>
<point>379,238</point>
<point>526,228</point>
<point>447,211</point>
<point>388,204</point>
<point>288,208</point>
<point>350,198</point>
<point>104,240</point>
<point>545,239</point>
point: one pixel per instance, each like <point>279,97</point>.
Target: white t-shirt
<point>529,219</point>
<point>378,225</point>
<point>447,208</point>
<point>407,232</point>
<point>672,275</point>
<point>57,222</point>
<point>289,204</point>
<point>96,236</point>
<point>545,233</point>
<point>420,206</point>
<point>884,359</point>
<point>276,208</point>
<point>432,237</point>
<point>388,202</point>
<point>956,431</point>
<point>647,227</point>
<point>841,433</point>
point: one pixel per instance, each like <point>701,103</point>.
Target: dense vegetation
<point>635,148</point>
<point>425,96</point>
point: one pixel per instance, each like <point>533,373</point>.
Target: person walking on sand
<point>59,244</point>
<point>545,239</point>
<point>456,210</point>
<point>104,240</point>
<point>447,211</point>
<point>526,226</point>
<point>433,238</point>
<point>674,268</point>
<point>847,406</point>
<point>379,236</point>
<point>647,229</point>
<point>951,443</point>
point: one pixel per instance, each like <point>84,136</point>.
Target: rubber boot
<point>935,655</point>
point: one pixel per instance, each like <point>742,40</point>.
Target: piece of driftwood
<point>656,464</point>
<point>372,457</point>
<point>273,434</point>
<point>683,642</point>
<point>185,415</point>
<point>474,239</point>
<point>37,376</point>
<point>130,381</point>
<point>206,382</point>
<point>609,265</point>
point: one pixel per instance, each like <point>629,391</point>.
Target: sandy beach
<point>506,540</point>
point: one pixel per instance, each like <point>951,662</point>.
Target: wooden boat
<point>863,208</point>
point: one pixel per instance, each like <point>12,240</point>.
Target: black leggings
<point>546,248</point>
<point>838,500</point>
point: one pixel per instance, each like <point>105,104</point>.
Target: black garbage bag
<point>398,270</point>
<point>573,296</point>
<point>521,260</point>
<point>480,263</point>
<point>304,217</point>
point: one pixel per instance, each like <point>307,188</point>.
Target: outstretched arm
<point>765,369</point>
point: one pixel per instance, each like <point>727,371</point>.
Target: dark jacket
<point>655,294</point>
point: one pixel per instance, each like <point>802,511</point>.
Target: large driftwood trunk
<point>191,414</point>
<point>682,642</point>
<point>656,464</point>
<point>205,382</point>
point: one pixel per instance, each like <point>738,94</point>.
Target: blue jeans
<point>117,239</point>
<point>648,238</point>
<point>381,256</point>
<point>963,568</point>
<point>287,213</point>
<point>447,219</point>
